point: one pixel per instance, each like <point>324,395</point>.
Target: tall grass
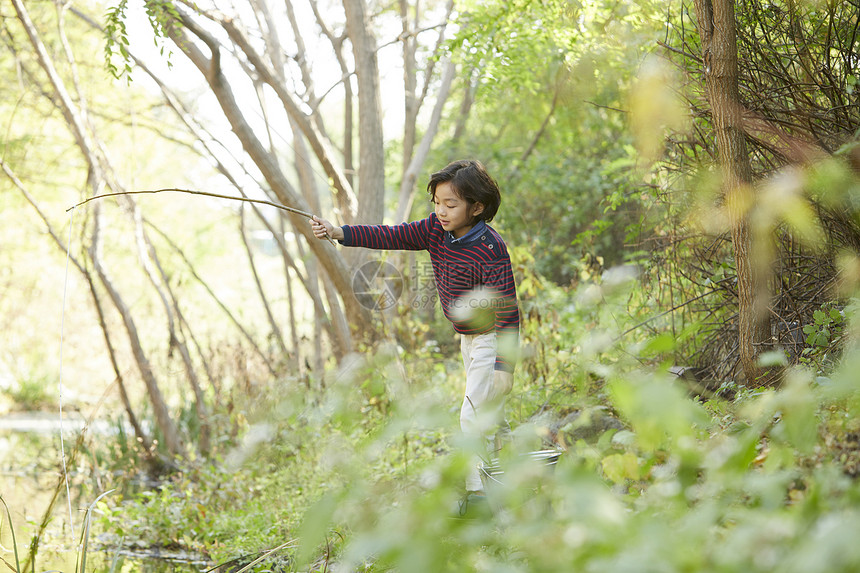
<point>14,541</point>
<point>30,564</point>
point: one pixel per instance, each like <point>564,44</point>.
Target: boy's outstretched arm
<point>322,228</point>
<point>405,236</point>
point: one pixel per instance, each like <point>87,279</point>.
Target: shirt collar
<point>479,228</point>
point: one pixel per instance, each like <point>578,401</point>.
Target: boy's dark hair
<point>470,181</point>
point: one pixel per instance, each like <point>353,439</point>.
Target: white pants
<point>482,411</point>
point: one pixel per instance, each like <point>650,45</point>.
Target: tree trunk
<point>414,155</point>
<point>143,438</point>
<point>716,22</point>
<point>291,310</point>
<point>75,117</point>
<point>264,357</point>
<point>274,330</point>
<point>470,88</point>
<point>160,282</point>
<point>165,423</point>
<point>371,158</point>
<point>211,69</point>
<point>410,175</point>
<point>410,101</point>
<point>338,326</point>
<point>337,43</point>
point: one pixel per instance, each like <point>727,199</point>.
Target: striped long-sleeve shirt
<point>474,280</point>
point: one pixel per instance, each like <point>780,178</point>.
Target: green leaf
<point>659,411</point>
<point>796,405</point>
<point>315,526</point>
<point>772,358</point>
<point>659,344</point>
<point>621,467</point>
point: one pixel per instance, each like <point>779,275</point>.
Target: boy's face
<point>455,213</point>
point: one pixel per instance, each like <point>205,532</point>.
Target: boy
<point>475,284</point>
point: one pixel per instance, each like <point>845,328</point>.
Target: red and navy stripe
<point>459,269</point>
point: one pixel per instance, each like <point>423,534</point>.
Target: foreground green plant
<point>83,547</point>
<point>365,476</point>
<point>14,541</point>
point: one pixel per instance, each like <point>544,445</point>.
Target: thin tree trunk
<point>160,283</point>
<point>341,326</point>
<point>371,158</point>
<point>273,324</point>
<point>143,438</point>
<point>289,263</point>
<point>304,65</point>
<point>342,339</point>
<point>245,334</point>
<point>407,185</point>
<point>469,91</point>
<point>288,280</point>
<point>172,440</point>
<point>716,21</point>
<point>348,97</point>
<point>211,69</point>
<point>78,127</point>
<point>410,83</point>
<point>413,159</point>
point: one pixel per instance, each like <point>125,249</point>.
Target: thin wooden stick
<point>206,194</point>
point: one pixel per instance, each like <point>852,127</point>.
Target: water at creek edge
<point>30,471</point>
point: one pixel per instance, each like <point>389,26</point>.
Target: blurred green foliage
<point>737,484</point>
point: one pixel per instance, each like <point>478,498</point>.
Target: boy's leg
<point>481,412</point>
